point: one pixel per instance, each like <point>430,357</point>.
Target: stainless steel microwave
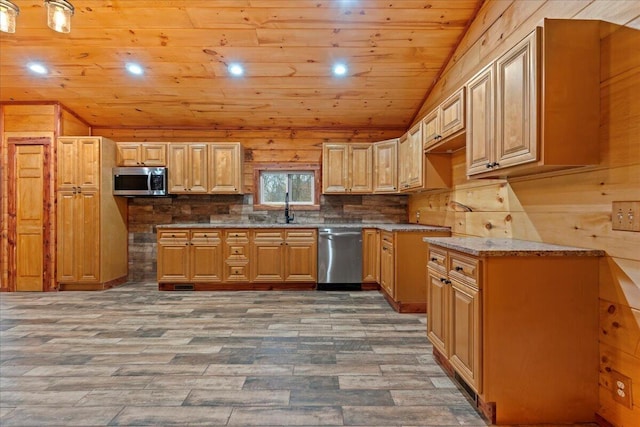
<point>139,181</point>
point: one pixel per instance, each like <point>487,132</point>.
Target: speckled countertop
<point>385,227</point>
<point>480,246</point>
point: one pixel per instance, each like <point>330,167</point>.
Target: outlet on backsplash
<point>418,216</point>
<point>626,216</point>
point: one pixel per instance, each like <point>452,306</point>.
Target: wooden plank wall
<point>572,208</point>
<point>33,120</point>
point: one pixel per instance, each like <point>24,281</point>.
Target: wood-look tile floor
<point>135,356</point>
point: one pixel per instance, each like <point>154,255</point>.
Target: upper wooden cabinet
<point>442,126</point>
<point>79,163</point>
<point>530,111</point>
<point>205,168</point>
<point>347,168</point>
<point>187,168</point>
<point>141,154</point>
<point>225,168</point>
<point>385,166</point>
<point>410,159</point>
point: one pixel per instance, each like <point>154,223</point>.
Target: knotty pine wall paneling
<point>33,120</point>
<point>571,208</point>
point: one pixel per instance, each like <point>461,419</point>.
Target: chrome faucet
<point>287,218</point>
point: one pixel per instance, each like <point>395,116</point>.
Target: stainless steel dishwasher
<point>339,257</point>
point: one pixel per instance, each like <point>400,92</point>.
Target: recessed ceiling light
<point>339,70</point>
<point>37,68</point>
<point>134,69</point>
<point>236,69</point>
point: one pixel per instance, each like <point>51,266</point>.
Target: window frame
<point>258,168</point>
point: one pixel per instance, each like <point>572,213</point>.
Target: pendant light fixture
<point>8,13</point>
<point>59,13</point>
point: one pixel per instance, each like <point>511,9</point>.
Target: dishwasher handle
<point>338,233</point>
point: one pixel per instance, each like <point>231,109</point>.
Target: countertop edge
<point>489,247</point>
<point>380,226</point>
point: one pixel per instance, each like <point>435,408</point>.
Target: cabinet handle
<point>443,280</point>
<point>447,282</point>
<point>488,165</point>
<point>495,165</point>
<point>458,268</point>
<point>434,259</point>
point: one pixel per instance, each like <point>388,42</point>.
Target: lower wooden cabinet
<point>370,255</point>
<point>521,331</point>
<point>403,255</point>
<point>237,256</point>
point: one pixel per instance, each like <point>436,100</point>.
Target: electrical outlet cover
<point>621,389</point>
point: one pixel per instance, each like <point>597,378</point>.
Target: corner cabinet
<point>347,168</point>
<point>529,111</point>
<point>141,154</point>
<point>91,223</point>
<point>519,328</point>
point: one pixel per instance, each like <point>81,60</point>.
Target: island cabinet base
<point>236,286</point>
<point>97,286</point>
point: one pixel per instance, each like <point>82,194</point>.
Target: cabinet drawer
<point>387,236</point>
<point>167,237</point>
<point>465,268</point>
<point>237,251</point>
<point>438,259</point>
<point>301,235</point>
<point>268,236</point>
<point>237,236</point>
<point>236,272</point>
<point>205,237</point>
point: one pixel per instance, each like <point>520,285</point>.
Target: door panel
<point>88,163</point>
<point>29,217</point>
<point>88,241</point>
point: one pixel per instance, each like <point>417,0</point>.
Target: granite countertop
<point>385,227</point>
<point>480,246</point>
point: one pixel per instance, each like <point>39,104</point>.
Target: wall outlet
<point>625,216</point>
<point>621,389</point>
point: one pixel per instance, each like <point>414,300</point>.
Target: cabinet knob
<point>447,282</point>
<point>434,259</point>
<point>458,268</point>
<point>488,165</point>
<point>443,280</point>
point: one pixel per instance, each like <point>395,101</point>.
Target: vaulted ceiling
<point>394,51</point>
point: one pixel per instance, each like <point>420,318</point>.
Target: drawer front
<point>301,235</point>
<point>236,272</point>
<point>237,236</point>
<point>237,251</point>
<point>173,237</point>
<point>205,237</point>
<point>465,268</point>
<point>387,237</point>
<point>268,236</point>
<point>437,259</point>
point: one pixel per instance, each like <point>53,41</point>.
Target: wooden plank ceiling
<point>394,50</point>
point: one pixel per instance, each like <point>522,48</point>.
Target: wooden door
<point>30,209</point>
<point>267,256</point>
<point>225,168</point>
<point>360,168</point>
<point>335,168</point>
<point>197,168</point>
<point>370,255</point>
<point>387,271</point>
<point>206,256</point>
<point>516,104</point>
<point>438,311</point>
<point>415,155</point>
<point>66,158</point>
<point>480,121</point>
<point>88,163</point>
<point>153,154</point>
<point>385,166</point>
<point>66,236</point>
<point>173,256</point>
<point>465,333</point>
<point>403,161</point>
<point>301,256</point>
<point>178,168</point>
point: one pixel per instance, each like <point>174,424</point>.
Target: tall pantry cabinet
<point>92,223</point>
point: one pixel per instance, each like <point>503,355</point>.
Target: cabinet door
<point>178,168</point>
<point>153,154</point>
<point>267,255</point>
<point>360,168</point>
<point>452,114</point>
<point>480,121</point>
<point>414,157</point>
<point>370,255</point>
<point>438,311</point>
<point>197,168</point>
<point>431,129</point>
<point>88,163</point>
<point>67,235</point>
<point>387,271</point>
<point>300,256</point>
<point>385,166</point>
<point>516,110</point>
<point>465,333</point>
<point>206,256</point>
<point>173,256</point>
<point>67,158</point>
<point>225,168</point>
<point>128,154</point>
<point>87,234</point>
<point>335,168</point>
<point>404,154</point>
